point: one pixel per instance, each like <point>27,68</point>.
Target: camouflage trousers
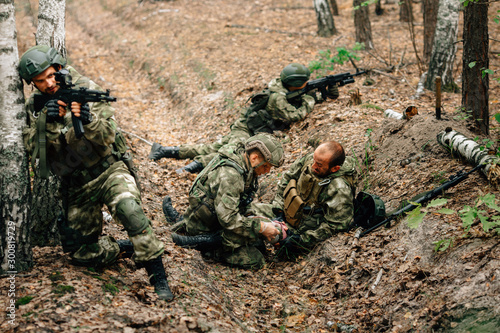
<point>237,250</point>
<point>204,153</point>
<point>84,221</point>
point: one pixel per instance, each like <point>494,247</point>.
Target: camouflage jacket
<point>217,198</point>
<point>332,210</point>
<point>65,153</point>
<point>279,108</point>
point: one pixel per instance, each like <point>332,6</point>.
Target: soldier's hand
<point>55,111</point>
<point>82,111</point>
<point>333,92</point>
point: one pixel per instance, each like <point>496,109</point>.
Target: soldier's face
<point>320,166</point>
<point>46,81</point>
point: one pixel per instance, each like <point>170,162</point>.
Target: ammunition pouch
<point>83,176</point>
<point>202,210</point>
<point>72,239</point>
<point>293,204</point>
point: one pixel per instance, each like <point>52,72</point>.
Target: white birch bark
<point>51,28</point>
<point>445,47</point>
<point>475,154</point>
<point>15,250</point>
<point>326,25</point>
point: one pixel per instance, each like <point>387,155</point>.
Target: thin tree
<point>46,203</point>
<point>445,48</point>
<point>378,8</point>
<point>406,11</point>
<point>334,7</point>
<point>15,254</point>
<point>362,24</point>
<point>430,12</point>
<point>326,25</point>
<point>475,83</point>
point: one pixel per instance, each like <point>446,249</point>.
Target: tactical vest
<point>201,201</point>
<point>303,196</point>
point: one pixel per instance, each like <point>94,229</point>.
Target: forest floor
<point>182,71</point>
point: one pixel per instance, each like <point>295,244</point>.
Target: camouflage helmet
<point>269,146</point>
<point>37,59</point>
<point>295,75</point>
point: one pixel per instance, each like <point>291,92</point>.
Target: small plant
<point>109,287</point>
<point>23,300</point>
<point>62,289</point>
<point>443,244</point>
<point>327,60</point>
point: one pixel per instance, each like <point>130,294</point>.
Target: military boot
<point>171,214</point>
<point>192,167</point>
<point>202,243</point>
<point>158,278</point>
<point>126,248</point>
<point>158,151</point>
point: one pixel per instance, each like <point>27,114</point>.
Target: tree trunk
<point>471,151</point>
<point>51,25</point>
<point>406,11</point>
<point>445,47</point>
<point>334,7</point>
<point>326,25</point>
<point>430,9</point>
<point>15,253</point>
<point>475,83</point>
<point>378,8</point>
<point>362,24</point>
<point>46,202</point>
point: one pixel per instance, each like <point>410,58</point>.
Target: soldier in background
<point>272,112</point>
<point>95,170</point>
<point>220,216</point>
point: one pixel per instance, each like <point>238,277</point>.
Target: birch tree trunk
<point>470,150</point>
<point>15,248</point>
<point>334,7</point>
<point>445,47</point>
<point>362,24</point>
<point>46,202</point>
<point>475,83</point>
<point>326,25</point>
<point>51,25</point>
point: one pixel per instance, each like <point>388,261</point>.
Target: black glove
<point>333,92</point>
<point>53,112</point>
<point>280,216</point>
<point>85,114</point>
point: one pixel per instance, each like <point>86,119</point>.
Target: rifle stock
<point>338,79</point>
<point>454,180</point>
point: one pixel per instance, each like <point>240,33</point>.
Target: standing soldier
<point>220,216</point>
<point>272,112</point>
<point>315,197</point>
<point>95,170</point>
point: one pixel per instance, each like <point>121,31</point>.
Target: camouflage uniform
<point>332,210</point>
<point>278,107</point>
<point>93,173</point>
<point>218,201</point>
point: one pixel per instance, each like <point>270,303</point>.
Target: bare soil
<point>182,71</point>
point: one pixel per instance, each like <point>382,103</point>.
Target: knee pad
<point>131,215</point>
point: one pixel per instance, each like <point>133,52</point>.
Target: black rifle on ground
<point>325,82</point>
<point>426,196</point>
<point>68,94</point>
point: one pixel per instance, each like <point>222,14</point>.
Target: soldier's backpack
<point>369,210</point>
<point>258,119</point>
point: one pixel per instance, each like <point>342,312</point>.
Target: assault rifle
<point>67,94</point>
<point>322,84</point>
<point>454,180</point>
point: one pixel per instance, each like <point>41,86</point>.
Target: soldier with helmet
<point>276,114</point>
<point>95,170</point>
<point>221,215</point>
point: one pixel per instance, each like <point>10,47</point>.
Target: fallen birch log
<point>474,153</point>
